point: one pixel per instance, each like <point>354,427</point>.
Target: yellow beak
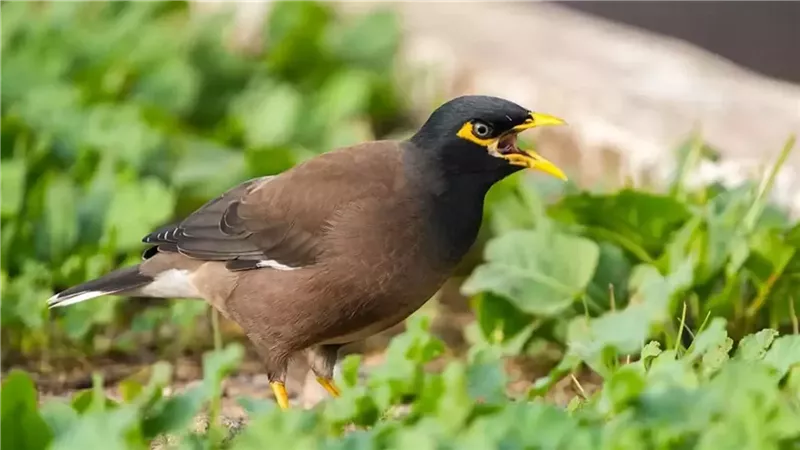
<point>531,159</point>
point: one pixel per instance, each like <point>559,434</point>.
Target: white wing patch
<point>271,264</point>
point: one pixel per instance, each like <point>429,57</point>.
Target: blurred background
<point>119,117</point>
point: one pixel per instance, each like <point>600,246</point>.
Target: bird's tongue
<point>508,145</point>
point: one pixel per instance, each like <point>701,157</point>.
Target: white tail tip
<point>57,301</point>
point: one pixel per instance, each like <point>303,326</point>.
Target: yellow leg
<point>329,386</point>
<point>279,389</point>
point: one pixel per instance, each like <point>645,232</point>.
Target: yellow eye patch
<point>466,133</point>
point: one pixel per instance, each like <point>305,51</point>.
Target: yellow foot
<point>279,389</point>
<point>329,386</point>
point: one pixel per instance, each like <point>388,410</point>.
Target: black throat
<point>450,193</point>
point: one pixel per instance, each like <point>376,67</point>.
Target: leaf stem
<point>681,327</point>
<point>766,186</point>
<point>579,386</point>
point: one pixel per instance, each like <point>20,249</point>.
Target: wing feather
<point>278,221</point>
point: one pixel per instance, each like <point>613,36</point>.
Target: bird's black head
<point>478,135</point>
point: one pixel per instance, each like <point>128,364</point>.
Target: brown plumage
<point>341,246</point>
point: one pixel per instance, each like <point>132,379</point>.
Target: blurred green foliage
<point>121,116</point>
<point>705,396</point>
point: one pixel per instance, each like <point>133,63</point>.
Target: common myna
<point>342,246</point>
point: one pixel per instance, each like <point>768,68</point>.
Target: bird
<point>341,246</point>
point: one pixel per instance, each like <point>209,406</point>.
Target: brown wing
<point>279,221</point>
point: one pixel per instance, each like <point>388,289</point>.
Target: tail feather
<point>120,280</point>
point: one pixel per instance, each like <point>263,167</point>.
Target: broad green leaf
<point>540,273</point>
<point>636,221</point>
<point>59,416</point>
<point>753,347</point>
<point>112,430</point>
<point>12,186</point>
<point>486,377</point>
<point>611,276</point>
<point>499,320</point>
<point>793,235</point>
<point>784,353</point>
<point>22,426</point>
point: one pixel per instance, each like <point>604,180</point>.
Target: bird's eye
<point>481,130</point>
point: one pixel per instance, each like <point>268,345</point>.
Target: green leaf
<point>173,86</point>
<point>784,353</point>
<point>344,96</point>
<point>207,169</point>
<point>401,374</point>
<point>269,113</point>
<point>753,347</point>
<point>540,273</point>
<point>60,218</point>
<point>12,186</point>
<point>713,336</point>
<point>486,379</point>
<point>651,350</point>
<point>625,385</point>
<point>542,386</point>
<point>112,430</point>
<point>137,208</point>
<point>716,357</point>
<point>639,222</point>
<point>625,331</point>
<point>371,41</point>
<point>175,413</point>
<point>255,407</point>
<point>120,131</point>
<point>218,364</point>
<point>22,426</point>
<point>499,320</point>
<point>59,416</point>
<point>350,365</point>
<point>613,271</point>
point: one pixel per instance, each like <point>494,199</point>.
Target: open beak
<point>506,147</point>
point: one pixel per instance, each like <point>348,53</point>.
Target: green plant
<point>702,397</point>
<point>121,116</point>
<point>643,256</point>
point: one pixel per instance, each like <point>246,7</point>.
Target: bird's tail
<point>117,282</point>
